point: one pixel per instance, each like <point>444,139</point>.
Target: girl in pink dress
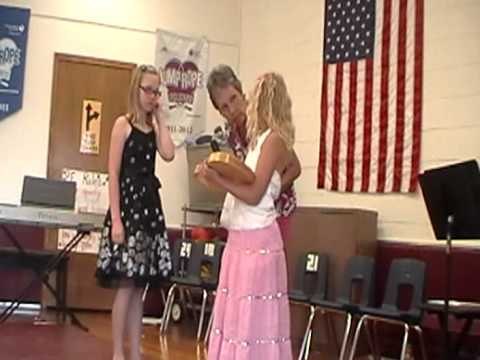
<point>251,312</point>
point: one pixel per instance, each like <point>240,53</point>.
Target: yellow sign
<point>91,121</point>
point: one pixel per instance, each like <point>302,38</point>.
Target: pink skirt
<point>251,311</point>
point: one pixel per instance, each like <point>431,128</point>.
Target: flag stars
<point>348,30</point>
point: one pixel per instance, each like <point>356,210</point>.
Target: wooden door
<point>75,80</point>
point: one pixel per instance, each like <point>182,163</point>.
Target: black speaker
<point>50,193</point>
<point>453,190</point>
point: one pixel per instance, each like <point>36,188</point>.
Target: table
<point>47,217</point>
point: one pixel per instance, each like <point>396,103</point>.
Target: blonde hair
<point>134,110</point>
<point>270,107</point>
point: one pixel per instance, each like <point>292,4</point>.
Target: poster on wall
<point>91,197</point>
<point>91,124</point>
<point>13,51</point>
<point>183,64</point>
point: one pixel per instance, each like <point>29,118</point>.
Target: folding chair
<point>356,291</point>
<point>187,258</point>
<point>311,275</point>
<point>212,255</point>
<point>403,273</point>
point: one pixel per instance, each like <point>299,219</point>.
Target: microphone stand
<point>448,268</point>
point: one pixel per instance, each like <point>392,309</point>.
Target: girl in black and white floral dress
<point>134,248</point>
<point>144,256</point>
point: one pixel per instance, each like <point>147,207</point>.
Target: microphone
<point>214,145</point>
<point>204,139</point>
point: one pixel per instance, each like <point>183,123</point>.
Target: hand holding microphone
<point>157,116</point>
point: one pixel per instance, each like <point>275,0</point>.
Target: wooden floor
<point>24,338</point>
<point>179,342</point>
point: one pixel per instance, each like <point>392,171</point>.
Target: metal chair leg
<point>406,330</point>
<point>348,324</point>
<point>210,321</point>
<point>170,296</point>
<point>209,329</point>
<point>170,307</point>
<point>307,347</point>
<point>145,291</point>
<point>301,355</point>
<point>355,338</point>
<point>167,308</point>
<point>164,315</point>
<point>419,331</point>
<point>202,314</point>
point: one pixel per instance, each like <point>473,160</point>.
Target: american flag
<point>371,105</point>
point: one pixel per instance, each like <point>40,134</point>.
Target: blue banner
<point>13,52</point>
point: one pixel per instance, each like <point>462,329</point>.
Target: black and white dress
<point>144,256</point>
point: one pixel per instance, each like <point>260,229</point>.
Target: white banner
<point>91,197</point>
<point>183,63</point>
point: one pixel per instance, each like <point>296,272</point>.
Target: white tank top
<point>237,215</point>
